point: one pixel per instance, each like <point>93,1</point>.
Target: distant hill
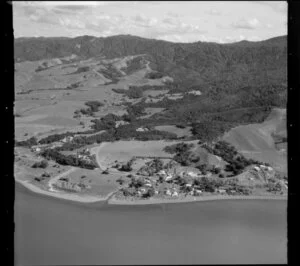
<point>200,63</point>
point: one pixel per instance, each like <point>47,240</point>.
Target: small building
<point>168,177</point>
<point>222,191</point>
<point>195,92</point>
<point>36,149</point>
<point>256,168</point>
<point>192,174</point>
<point>188,185</point>
<point>162,173</point>
<point>148,185</point>
<point>197,192</point>
<point>168,192</point>
<point>175,194</point>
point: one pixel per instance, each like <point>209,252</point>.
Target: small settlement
<point>179,182</point>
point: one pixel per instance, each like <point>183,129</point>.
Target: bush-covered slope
<point>241,63</point>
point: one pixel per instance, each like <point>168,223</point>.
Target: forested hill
<point>200,63</point>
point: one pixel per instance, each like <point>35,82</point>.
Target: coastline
<point>64,195</point>
<point>114,201</point>
<point>111,200</point>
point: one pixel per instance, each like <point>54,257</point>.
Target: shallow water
<point>52,231</point>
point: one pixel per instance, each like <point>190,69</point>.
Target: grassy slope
<point>256,141</point>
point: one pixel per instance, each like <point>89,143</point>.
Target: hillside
<point>260,141</point>
<point>199,63</point>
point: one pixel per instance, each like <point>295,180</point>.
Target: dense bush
<point>154,75</point>
<point>183,158</point>
<point>56,137</point>
<point>208,184</point>
<point>27,143</point>
<point>178,148</point>
<point>72,160</point>
<point>149,193</point>
<point>80,70</point>
<point>41,164</point>
<point>94,105</point>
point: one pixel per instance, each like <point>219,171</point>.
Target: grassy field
<point>256,141</point>
<point>123,151</point>
<point>180,132</point>
<point>101,184</point>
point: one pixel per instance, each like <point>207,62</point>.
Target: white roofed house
<point>162,173</point>
<point>168,192</point>
<point>175,194</point>
<point>192,174</point>
<point>140,129</point>
<point>197,192</point>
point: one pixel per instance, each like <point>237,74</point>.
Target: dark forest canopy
<point>198,63</point>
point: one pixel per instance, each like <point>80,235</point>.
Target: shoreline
<point>64,195</point>
<point>114,201</point>
<point>111,200</point>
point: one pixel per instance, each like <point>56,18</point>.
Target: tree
<point>203,168</point>
<point>41,164</point>
<point>120,180</point>
<point>150,193</point>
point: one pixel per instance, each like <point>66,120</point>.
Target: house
<point>148,185</point>
<point>175,194</point>
<point>269,168</point>
<point>188,185</point>
<point>120,123</point>
<point>168,177</point>
<point>195,92</point>
<point>36,149</point>
<point>197,192</point>
<point>143,190</point>
<point>162,173</point>
<point>140,129</point>
<point>256,168</point>
<point>192,174</point>
<point>168,192</point>
<point>222,191</point>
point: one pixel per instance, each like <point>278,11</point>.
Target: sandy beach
<point>115,201</point>
<point>64,195</point>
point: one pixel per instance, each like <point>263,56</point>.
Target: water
<point>52,231</point>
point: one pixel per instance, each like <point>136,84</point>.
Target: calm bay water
<point>51,231</point>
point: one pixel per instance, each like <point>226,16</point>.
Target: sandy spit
<point>114,201</point>
<point>64,195</point>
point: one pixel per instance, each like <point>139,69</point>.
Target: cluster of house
<point>66,185</point>
<point>85,155</point>
<point>67,139</point>
<point>195,92</point>
<point>39,148</point>
<point>266,172</point>
<point>263,167</point>
<point>120,123</point>
<point>168,176</point>
<point>142,129</point>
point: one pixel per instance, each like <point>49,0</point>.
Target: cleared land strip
<point>96,150</point>
<point>54,179</point>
